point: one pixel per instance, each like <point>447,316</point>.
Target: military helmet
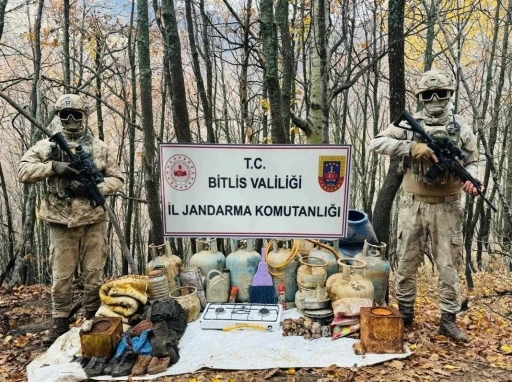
<point>70,101</point>
<point>435,80</point>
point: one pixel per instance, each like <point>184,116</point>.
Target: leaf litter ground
<point>25,314</point>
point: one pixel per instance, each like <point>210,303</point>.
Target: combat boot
<point>59,327</point>
<point>408,313</point>
<point>450,329</point>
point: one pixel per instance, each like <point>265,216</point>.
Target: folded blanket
<point>124,295</point>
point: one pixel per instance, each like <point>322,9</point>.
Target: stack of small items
<point>347,316</point>
<point>304,327</point>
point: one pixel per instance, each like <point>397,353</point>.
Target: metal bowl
<point>315,304</point>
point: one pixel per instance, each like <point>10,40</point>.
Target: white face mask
<point>436,107</point>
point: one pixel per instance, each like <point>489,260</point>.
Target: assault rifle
<point>446,152</point>
<point>88,173</point>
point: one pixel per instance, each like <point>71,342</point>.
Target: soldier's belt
<point>435,199</point>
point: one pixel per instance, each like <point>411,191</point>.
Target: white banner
<point>278,191</point>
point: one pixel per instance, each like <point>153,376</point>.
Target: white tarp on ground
<point>234,350</point>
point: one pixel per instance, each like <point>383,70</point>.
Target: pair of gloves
<point>64,170</point>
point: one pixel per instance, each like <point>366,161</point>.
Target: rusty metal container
<point>382,330</point>
<point>312,273</point>
<point>103,338</point>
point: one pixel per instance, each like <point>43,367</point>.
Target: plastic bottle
<point>233,294</point>
<point>281,295</point>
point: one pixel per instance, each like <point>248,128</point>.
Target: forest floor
<point>25,312</point>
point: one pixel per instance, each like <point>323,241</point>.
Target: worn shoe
<point>125,366</point>
<point>59,327</point>
<point>141,364</point>
<point>158,365</point>
<point>449,328</point>
<point>95,367</point>
<point>408,313</point>
<point>111,365</point>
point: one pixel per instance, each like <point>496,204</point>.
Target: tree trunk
<point>177,91</point>
<point>269,42</point>
<point>196,66</point>
<point>97,66</point>
<point>246,126</point>
<point>10,229</point>
<point>146,99</point>
<point>319,77</point>
<point>65,47</point>
<point>393,180</point>
<point>131,141</point>
<point>288,63</point>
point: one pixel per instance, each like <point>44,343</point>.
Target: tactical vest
<point>56,185</point>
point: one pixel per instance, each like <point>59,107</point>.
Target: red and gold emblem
<point>331,172</point>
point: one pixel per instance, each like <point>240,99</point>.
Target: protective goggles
<point>440,94</point>
<point>76,115</point>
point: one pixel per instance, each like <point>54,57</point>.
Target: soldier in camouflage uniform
<point>77,231</point>
<point>432,211</point>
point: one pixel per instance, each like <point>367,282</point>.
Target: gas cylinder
<point>359,229</point>
<point>208,257</point>
<point>327,252</point>
<point>161,255</point>
<point>217,286</point>
<point>351,282</point>
<point>243,264</point>
<point>311,273</point>
<point>377,269</point>
<point>282,263</point>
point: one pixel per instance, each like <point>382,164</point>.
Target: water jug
<point>311,273</point>
<point>329,253</point>
<point>217,286</point>
<point>377,269</point>
<point>208,257</point>
<point>243,264</point>
<point>283,260</point>
<point>351,282</point>
<point>161,255</point>
<point>158,287</point>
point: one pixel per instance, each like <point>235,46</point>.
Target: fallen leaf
<point>506,349</point>
<point>399,365</point>
<point>290,371</point>
<point>450,367</point>
<point>7,339</point>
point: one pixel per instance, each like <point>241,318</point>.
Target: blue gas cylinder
<point>377,269</point>
<point>208,257</point>
<point>243,264</point>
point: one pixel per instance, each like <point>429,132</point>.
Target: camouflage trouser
<point>69,246</point>
<point>442,222</point>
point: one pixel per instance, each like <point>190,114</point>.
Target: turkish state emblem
<point>331,172</point>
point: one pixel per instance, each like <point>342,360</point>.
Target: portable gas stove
<point>227,316</point>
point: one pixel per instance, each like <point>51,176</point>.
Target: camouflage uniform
<point>77,231</point>
<point>429,210</point>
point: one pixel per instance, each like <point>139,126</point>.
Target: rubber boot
<point>59,327</point>
<point>450,329</point>
<point>408,313</point>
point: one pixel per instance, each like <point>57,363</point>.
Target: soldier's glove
<point>63,169</point>
<point>77,188</point>
<point>420,151</point>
